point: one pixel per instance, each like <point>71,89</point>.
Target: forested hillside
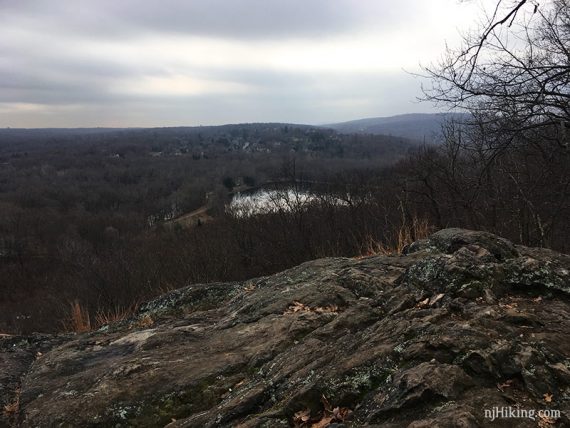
<point>86,215</point>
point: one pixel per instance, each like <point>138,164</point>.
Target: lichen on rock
<point>464,321</point>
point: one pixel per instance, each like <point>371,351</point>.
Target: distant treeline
<point>75,208</point>
<point>79,208</point>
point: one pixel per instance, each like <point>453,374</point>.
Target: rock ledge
<point>465,321</point>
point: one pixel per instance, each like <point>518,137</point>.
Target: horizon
<point>226,124</point>
<point>129,65</point>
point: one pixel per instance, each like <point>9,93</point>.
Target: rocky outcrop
<point>462,323</point>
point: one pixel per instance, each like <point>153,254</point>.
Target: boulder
<point>462,323</point>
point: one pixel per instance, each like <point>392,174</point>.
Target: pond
<point>265,201</point>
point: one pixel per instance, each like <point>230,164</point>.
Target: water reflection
<point>267,201</point>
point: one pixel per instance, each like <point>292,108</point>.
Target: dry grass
<point>165,288</point>
<point>114,315</point>
<point>78,320</point>
<point>406,234</point>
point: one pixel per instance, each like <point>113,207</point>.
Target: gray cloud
<point>117,63</point>
<point>215,18</point>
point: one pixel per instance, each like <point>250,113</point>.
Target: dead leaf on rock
<point>545,421</point>
<point>331,309</point>
<point>423,303</point>
<point>512,305</point>
<point>436,299</point>
<point>302,417</point>
<point>341,413</point>
<point>326,404</point>
<point>330,414</point>
<point>145,321</point>
<point>506,384</point>
<point>249,288</point>
<point>13,408</point>
<point>296,307</point>
<point>548,397</point>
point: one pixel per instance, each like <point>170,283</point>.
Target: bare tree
<point>506,168</point>
<point>514,72</point>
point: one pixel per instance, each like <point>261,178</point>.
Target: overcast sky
<point>77,63</point>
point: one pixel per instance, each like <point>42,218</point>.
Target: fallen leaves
<point>423,304</point>
<point>329,415</point>
<point>145,321</point>
<point>302,417</point>
<point>436,299</point>
<point>548,397</point>
<point>249,288</point>
<point>545,421</point>
<point>430,301</point>
<point>297,307</point>
<point>512,305</point>
<point>506,384</point>
<point>11,409</point>
<point>240,383</point>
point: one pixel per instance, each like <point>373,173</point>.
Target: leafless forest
<point>86,215</point>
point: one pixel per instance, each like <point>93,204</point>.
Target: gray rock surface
<point>464,322</point>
